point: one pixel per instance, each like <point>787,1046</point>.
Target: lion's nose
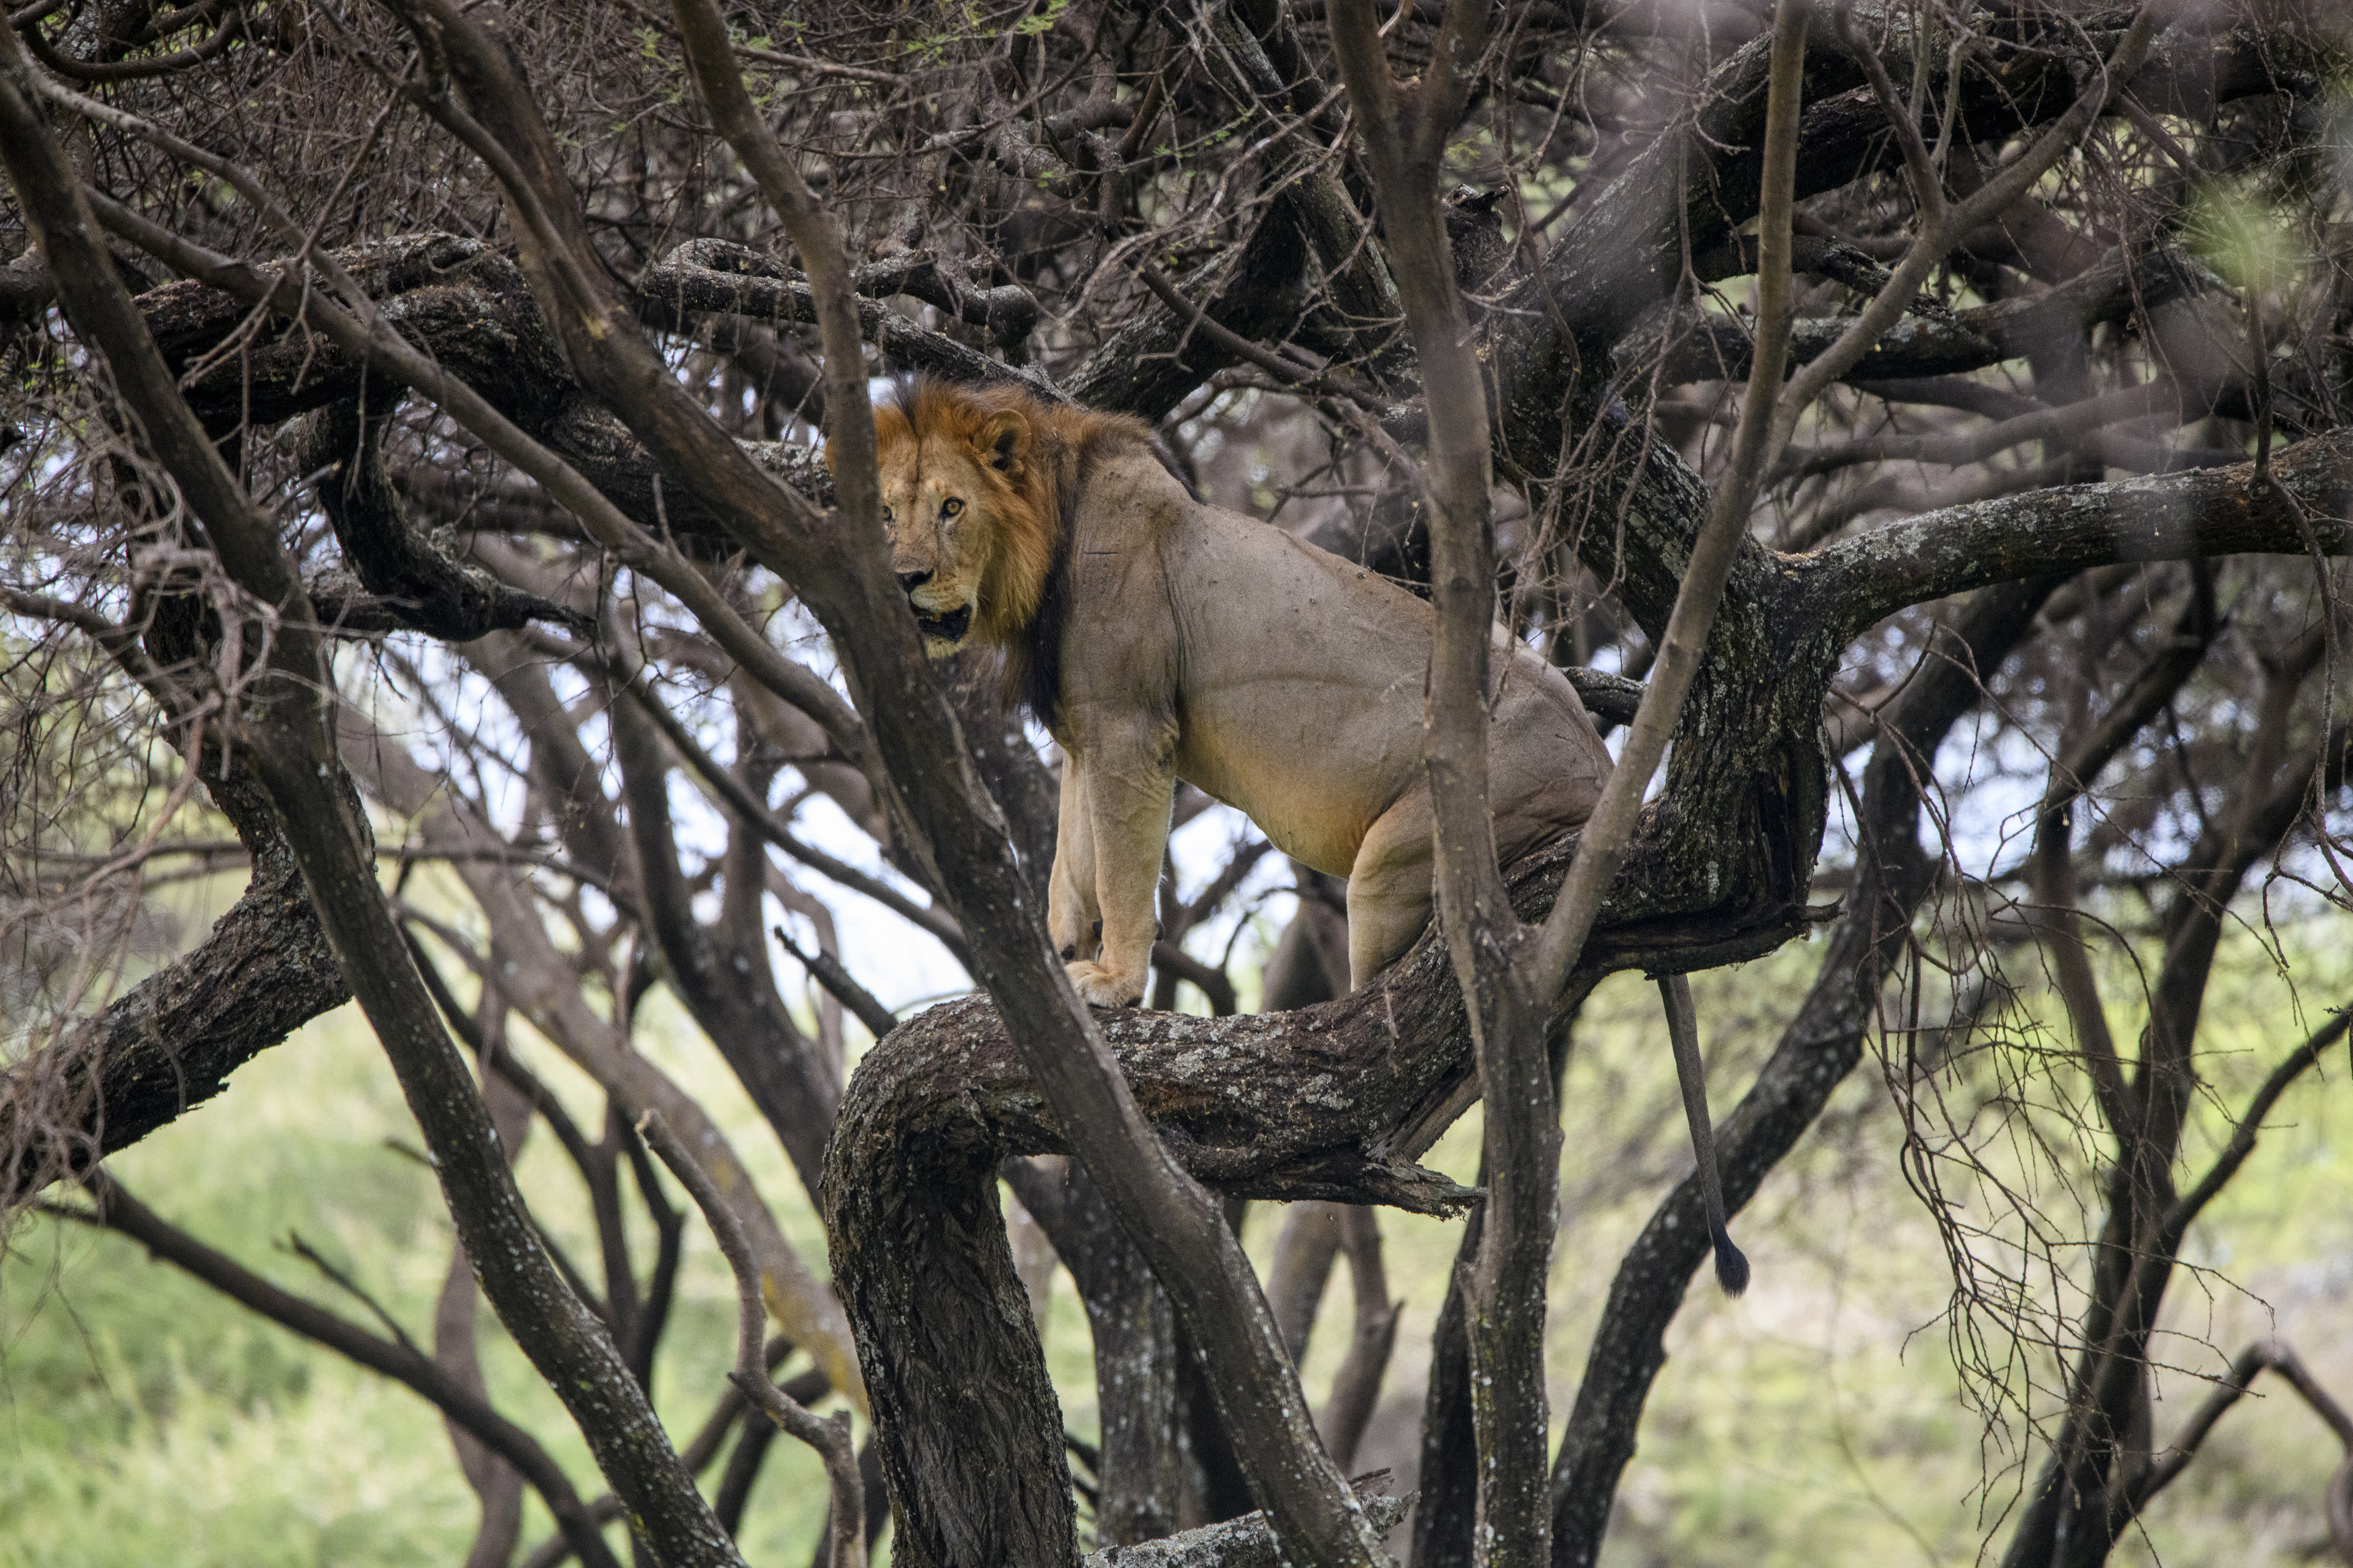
<point>911,581</point>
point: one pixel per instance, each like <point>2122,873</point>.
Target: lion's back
<point>1293,678</point>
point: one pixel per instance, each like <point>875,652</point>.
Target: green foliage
<point>2249,239</point>
<point>1042,20</point>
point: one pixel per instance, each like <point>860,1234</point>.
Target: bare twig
<point>2262,1356</point>
<point>878,1019</point>
<point>829,1436</point>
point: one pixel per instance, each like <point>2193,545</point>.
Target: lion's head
<point>970,499</point>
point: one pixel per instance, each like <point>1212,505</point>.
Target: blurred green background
<point>1824,1419</point>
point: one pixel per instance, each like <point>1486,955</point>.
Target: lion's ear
<point>1003,442</point>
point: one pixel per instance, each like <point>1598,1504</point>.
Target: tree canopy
<point>439,483</point>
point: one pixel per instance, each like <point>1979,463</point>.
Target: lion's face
<point>954,520</point>
<point>935,512</point>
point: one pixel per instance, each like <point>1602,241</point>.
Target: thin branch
<point>879,1020</point>
<point>1602,847</point>
<point>113,1208</point>
<point>2187,1207</point>
<point>2261,1356</point>
<point>829,1436</point>
<point>2052,857</point>
<point>1403,129</point>
<point>1945,223</point>
<point>754,812</point>
<point>385,351</point>
<point>1224,339</point>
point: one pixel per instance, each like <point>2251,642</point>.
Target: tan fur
<point>1177,641</point>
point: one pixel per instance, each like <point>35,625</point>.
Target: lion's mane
<point>1024,589</point>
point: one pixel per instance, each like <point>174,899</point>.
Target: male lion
<point>1160,638</point>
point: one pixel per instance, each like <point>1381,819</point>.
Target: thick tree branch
<point>2211,512</point>
<point>170,1044</point>
<point>1822,1044</point>
<point>1325,1102</point>
<point>415,585</point>
<point>845,580</point>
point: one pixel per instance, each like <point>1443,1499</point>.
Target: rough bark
<point>2215,512</point>
<point>1244,1543</point>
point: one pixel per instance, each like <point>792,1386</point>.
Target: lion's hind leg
<point>1389,887</point>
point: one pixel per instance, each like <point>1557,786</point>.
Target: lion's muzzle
<point>948,628</point>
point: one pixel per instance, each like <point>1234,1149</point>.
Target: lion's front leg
<point>1130,781</point>
<point>1073,922</point>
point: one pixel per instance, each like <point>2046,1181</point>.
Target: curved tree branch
<point>2213,511</point>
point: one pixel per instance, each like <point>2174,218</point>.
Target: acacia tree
<point>430,371</point>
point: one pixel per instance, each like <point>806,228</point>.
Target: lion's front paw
<point>1100,987</point>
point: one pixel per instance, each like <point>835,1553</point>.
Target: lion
<point>1159,639</point>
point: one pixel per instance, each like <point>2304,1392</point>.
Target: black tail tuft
<point>1731,1266</point>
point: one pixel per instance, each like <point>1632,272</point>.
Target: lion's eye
<point>950,506</point>
<point>886,515</point>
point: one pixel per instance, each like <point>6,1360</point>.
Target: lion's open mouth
<point>947,628</point>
